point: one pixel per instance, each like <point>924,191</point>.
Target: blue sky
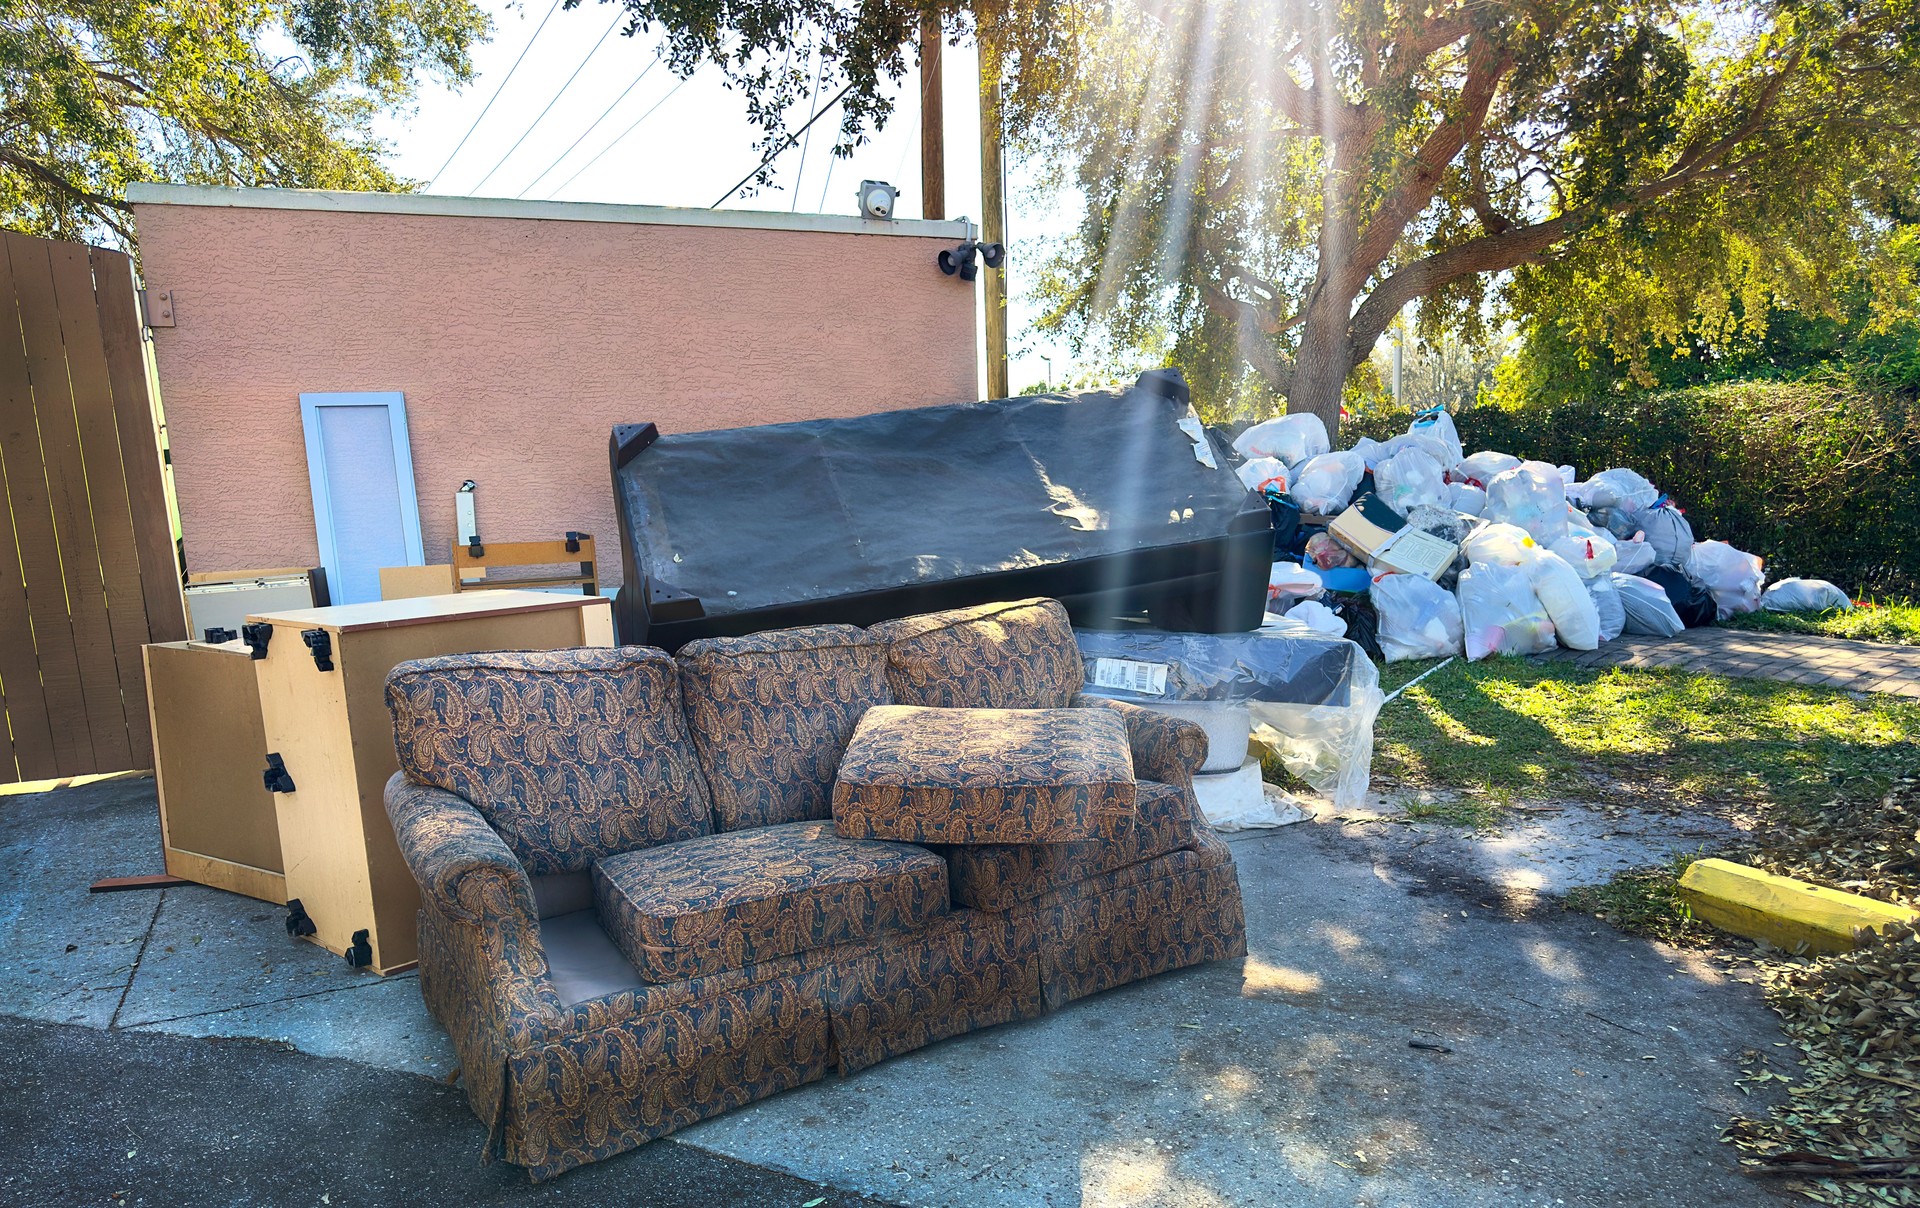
<point>693,145</point>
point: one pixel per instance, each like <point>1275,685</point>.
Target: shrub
<point>1819,476</point>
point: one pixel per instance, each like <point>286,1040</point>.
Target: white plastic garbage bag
<point>1633,557</point>
<point>1396,445</point>
<point>1408,479</point>
<point>1328,746</point>
<point>1734,577</point>
<point>1564,595</point>
<point>1500,613</point>
<point>1587,552</point>
<point>1471,500</point>
<point>1291,438</point>
<point>1436,423</point>
<point>1482,468</point>
<point>1648,609</point>
<point>1607,606</point>
<point>1325,484</point>
<point>1290,581</point>
<point>1670,534</point>
<point>1318,617</point>
<point>1500,544</point>
<point>1804,595</point>
<point>1261,472</point>
<point>1619,488</point>
<point>1370,450</point>
<point>1419,619</point>
<point>1533,496</point>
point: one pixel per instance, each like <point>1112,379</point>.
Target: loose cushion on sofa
<point>999,876</point>
<point>1018,655</point>
<point>569,754</point>
<point>771,713</point>
<point>985,776</point>
<point>724,901</point>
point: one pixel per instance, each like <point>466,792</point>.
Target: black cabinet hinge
<point>320,642</point>
<point>298,923</point>
<point>276,777</point>
<point>257,635</point>
<point>360,952</point>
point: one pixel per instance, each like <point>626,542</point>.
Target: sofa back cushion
<point>771,714</point>
<point>570,755</point>
<point>1018,655</point>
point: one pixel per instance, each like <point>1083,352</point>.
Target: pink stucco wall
<point>518,343</point>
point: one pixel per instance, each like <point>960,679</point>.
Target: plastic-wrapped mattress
<point>1112,503</point>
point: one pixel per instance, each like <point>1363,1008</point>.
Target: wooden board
<point>411,582</point>
<point>336,737</point>
<point>425,610</point>
<point>218,823</point>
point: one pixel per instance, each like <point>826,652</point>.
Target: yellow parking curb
<point>1782,911</point>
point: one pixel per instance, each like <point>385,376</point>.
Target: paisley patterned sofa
<point>552,803</point>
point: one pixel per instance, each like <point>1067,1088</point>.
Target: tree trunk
<point>1321,365</point>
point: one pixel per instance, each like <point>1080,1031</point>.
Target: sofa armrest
<point>1167,749</point>
<point>468,878</point>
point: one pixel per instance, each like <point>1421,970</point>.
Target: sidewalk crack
<point>139,956</point>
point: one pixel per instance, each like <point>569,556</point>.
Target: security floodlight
<point>877,198</point>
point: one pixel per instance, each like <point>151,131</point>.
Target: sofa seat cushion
<point>1001,876</point>
<point>771,714</point>
<point>1017,655</point>
<point>729,900</point>
<point>998,776</point>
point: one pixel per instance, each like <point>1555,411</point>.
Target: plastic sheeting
<point>1313,700</point>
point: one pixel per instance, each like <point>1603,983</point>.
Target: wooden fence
<point>88,570</point>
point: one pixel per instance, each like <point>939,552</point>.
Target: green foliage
<point>1818,476</point>
<point>1895,622</point>
<point>1646,901</point>
<point>227,92</point>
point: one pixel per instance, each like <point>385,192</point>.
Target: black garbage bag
<point>1690,600</point>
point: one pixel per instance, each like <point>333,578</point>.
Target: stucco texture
<point>518,344</point>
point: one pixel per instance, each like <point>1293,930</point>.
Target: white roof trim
<point>550,211</point>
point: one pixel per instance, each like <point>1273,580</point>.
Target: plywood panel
<point>210,748</point>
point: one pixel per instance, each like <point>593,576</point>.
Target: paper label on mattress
<point>1149,679</point>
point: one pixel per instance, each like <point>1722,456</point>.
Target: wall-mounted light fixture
<point>964,261</point>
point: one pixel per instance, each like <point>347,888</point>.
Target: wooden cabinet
<point>217,820</point>
<point>322,684</point>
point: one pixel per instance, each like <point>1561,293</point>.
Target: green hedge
<point>1819,476</point>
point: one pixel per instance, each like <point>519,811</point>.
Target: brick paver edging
<point>1789,657</point>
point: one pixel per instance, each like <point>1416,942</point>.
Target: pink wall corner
<point>519,343</point>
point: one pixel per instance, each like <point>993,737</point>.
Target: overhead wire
<point>819,65</point>
<point>498,89</point>
<point>550,104</point>
<point>618,137</point>
<point>604,113</point>
<point>770,156</point>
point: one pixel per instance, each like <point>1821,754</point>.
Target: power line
<point>784,144</point>
<point>590,129</point>
<point>819,64</point>
<point>497,90</point>
<point>550,104</point>
<point>617,138</point>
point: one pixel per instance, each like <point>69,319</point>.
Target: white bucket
<point>1227,724</point>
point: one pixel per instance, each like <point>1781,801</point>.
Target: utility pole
<point>933,120</point>
<point>993,206</point>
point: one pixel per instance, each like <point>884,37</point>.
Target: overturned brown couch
<point>637,913</point>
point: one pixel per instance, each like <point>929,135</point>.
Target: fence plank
<point>27,741</point>
<point>134,410</point>
<point>79,552</point>
<point>106,489</point>
<point>45,630</point>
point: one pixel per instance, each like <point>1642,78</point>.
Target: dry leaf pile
<point>1850,1126</point>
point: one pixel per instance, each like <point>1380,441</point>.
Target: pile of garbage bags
<point>1416,549</point>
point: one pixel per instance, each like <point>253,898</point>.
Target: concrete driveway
<point>1409,1030</point>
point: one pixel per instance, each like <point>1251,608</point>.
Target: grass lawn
<point>1893,621</point>
<point>1515,726</point>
